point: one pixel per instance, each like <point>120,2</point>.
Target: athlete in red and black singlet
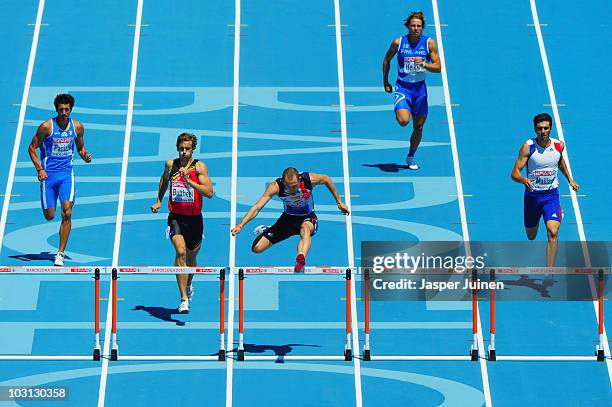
<point>185,206</point>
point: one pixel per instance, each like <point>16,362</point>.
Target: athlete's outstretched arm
<point>563,168</point>
<point>386,63</point>
<point>80,141</point>
<point>204,185</point>
<point>322,179</point>
<point>43,131</point>
<point>163,186</point>
<point>520,163</point>
<point>435,65</point>
<point>270,191</point>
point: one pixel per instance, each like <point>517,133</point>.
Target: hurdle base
<point>221,355</point>
<point>551,358</point>
<point>366,354</point>
<point>113,355</point>
<point>96,354</point>
<point>600,355</point>
<point>415,358</point>
<point>348,355</point>
<point>474,355</point>
<point>241,354</point>
<point>170,357</point>
<point>46,357</point>
<point>492,356</point>
<point>284,358</point>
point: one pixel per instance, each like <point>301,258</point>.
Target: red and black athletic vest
<point>184,200</point>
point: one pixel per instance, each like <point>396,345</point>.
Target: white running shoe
<point>190,292</point>
<point>411,164</point>
<point>259,230</point>
<point>59,259</point>
<point>183,307</point>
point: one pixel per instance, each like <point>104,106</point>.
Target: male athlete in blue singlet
<point>543,157</point>
<point>413,52</point>
<point>298,218</point>
<point>56,139</point>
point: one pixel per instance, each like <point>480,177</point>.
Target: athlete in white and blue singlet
<point>56,139</point>
<point>543,157</point>
<point>298,218</point>
<point>414,51</point>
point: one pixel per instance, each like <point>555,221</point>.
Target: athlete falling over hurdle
<point>543,156</point>
<point>417,54</point>
<point>56,139</point>
<point>189,182</point>
<point>298,218</point>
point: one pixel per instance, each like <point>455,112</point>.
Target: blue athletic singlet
<point>301,202</point>
<point>407,70</point>
<point>57,149</point>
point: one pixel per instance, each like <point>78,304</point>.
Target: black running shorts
<point>191,227</point>
<point>289,225</point>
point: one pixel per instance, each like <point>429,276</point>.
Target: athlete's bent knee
<point>66,215</point>
<point>532,233</point>
<point>258,248</point>
<point>306,228</point>
<point>181,252</point>
<point>403,122</point>
<point>259,245</point>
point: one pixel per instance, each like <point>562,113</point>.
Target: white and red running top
<point>543,164</point>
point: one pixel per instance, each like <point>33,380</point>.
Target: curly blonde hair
<point>414,14</point>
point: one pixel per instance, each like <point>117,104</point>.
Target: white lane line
<point>232,242</point>
<point>559,128</point>
<point>119,220</point>
<point>460,198</point>
<point>22,112</point>
<point>347,198</point>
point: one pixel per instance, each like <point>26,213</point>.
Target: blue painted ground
<point>289,116</point>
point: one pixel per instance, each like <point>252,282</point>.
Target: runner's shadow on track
<point>37,256</point>
<point>390,167</point>
<point>279,350</point>
<point>165,314</point>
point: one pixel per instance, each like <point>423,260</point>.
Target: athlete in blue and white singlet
<point>298,218</point>
<point>543,158</point>
<point>56,157</point>
<point>416,55</point>
<point>57,138</point>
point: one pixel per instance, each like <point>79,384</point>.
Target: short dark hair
<point>415,14</point>
<point>290,172</point>
<point>62,99</point>
<point>187,137</point>
<point>542,117</point>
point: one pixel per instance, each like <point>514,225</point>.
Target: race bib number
<point>544,178</point>
<point>182,193</point>
<point>62,147</point>
<point>544,181</point>
<point>411,67</point>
